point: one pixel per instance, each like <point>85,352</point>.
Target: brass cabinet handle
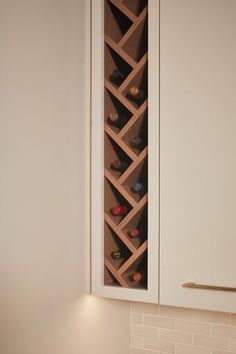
<point>208,287</point>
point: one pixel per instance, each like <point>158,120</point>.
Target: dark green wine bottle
<point>117,77</point>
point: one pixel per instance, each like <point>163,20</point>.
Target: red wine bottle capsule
<point>116,254</point>
<point>119,210</point>
<point>135,233</point>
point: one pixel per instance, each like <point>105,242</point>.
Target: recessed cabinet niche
<point>126,145</point>
<point>124,235</point>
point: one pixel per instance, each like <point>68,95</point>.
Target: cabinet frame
<point>97,150</point>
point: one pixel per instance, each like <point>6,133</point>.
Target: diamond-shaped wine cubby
<point>113,108</point>
<point>116,21</point>
<point>120,252</point>
<point>137,228</point>
<point>116,161</point>
<point>136,44</point>
<point>135,269</point>
<point>114,63</point>
<point>126,143</point>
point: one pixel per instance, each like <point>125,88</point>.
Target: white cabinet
<point>187,120</point>
<point>125,174</point>
<point>198,152</point>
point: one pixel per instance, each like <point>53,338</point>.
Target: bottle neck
<point>138,276</point>
<point>119,165</point>
<point>119,210</point>
<point>136,142</point>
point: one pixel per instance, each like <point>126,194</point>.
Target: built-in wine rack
<point>126,143</point>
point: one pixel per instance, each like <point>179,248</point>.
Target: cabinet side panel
<point>97,146</point>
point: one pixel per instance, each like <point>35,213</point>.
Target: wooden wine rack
<point>126,49</point>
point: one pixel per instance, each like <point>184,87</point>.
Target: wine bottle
<point>135,233</point>
<point>138,187</point>
<point>136,142</point>
<point>136,94</point>
<point>119,165</point>
<point>119,210</point>
<point>116,254</point>
<point>117,120</point>
<point>138,276</point>
<point>117,77</point>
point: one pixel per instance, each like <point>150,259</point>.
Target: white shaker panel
<point>198,152</point>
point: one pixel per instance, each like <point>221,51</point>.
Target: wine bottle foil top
<point>136,141</point>
<point>134,91</point>
<point>138,187</point>
<point>137,276</point>
<point>117,73</point>
<point>119,165</point>
<point>116,254</point>
<point>135,232</point>
<point>117,77</point>
<point>116,164</point>
<point>119,210</point>
<point>114,116</point>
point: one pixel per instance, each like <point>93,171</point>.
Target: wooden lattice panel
<point>126,143</point>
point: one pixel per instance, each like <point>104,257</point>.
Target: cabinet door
<point>198,152</point>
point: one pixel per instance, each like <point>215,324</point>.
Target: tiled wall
<point>163,329</point>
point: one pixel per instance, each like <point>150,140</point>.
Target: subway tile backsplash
<point>157,329</point>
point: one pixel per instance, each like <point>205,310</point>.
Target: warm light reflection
<point>91,307</point>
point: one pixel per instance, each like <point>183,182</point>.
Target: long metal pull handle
<point>208,287</point>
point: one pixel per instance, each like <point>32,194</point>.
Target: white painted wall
<point>43,186</point>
